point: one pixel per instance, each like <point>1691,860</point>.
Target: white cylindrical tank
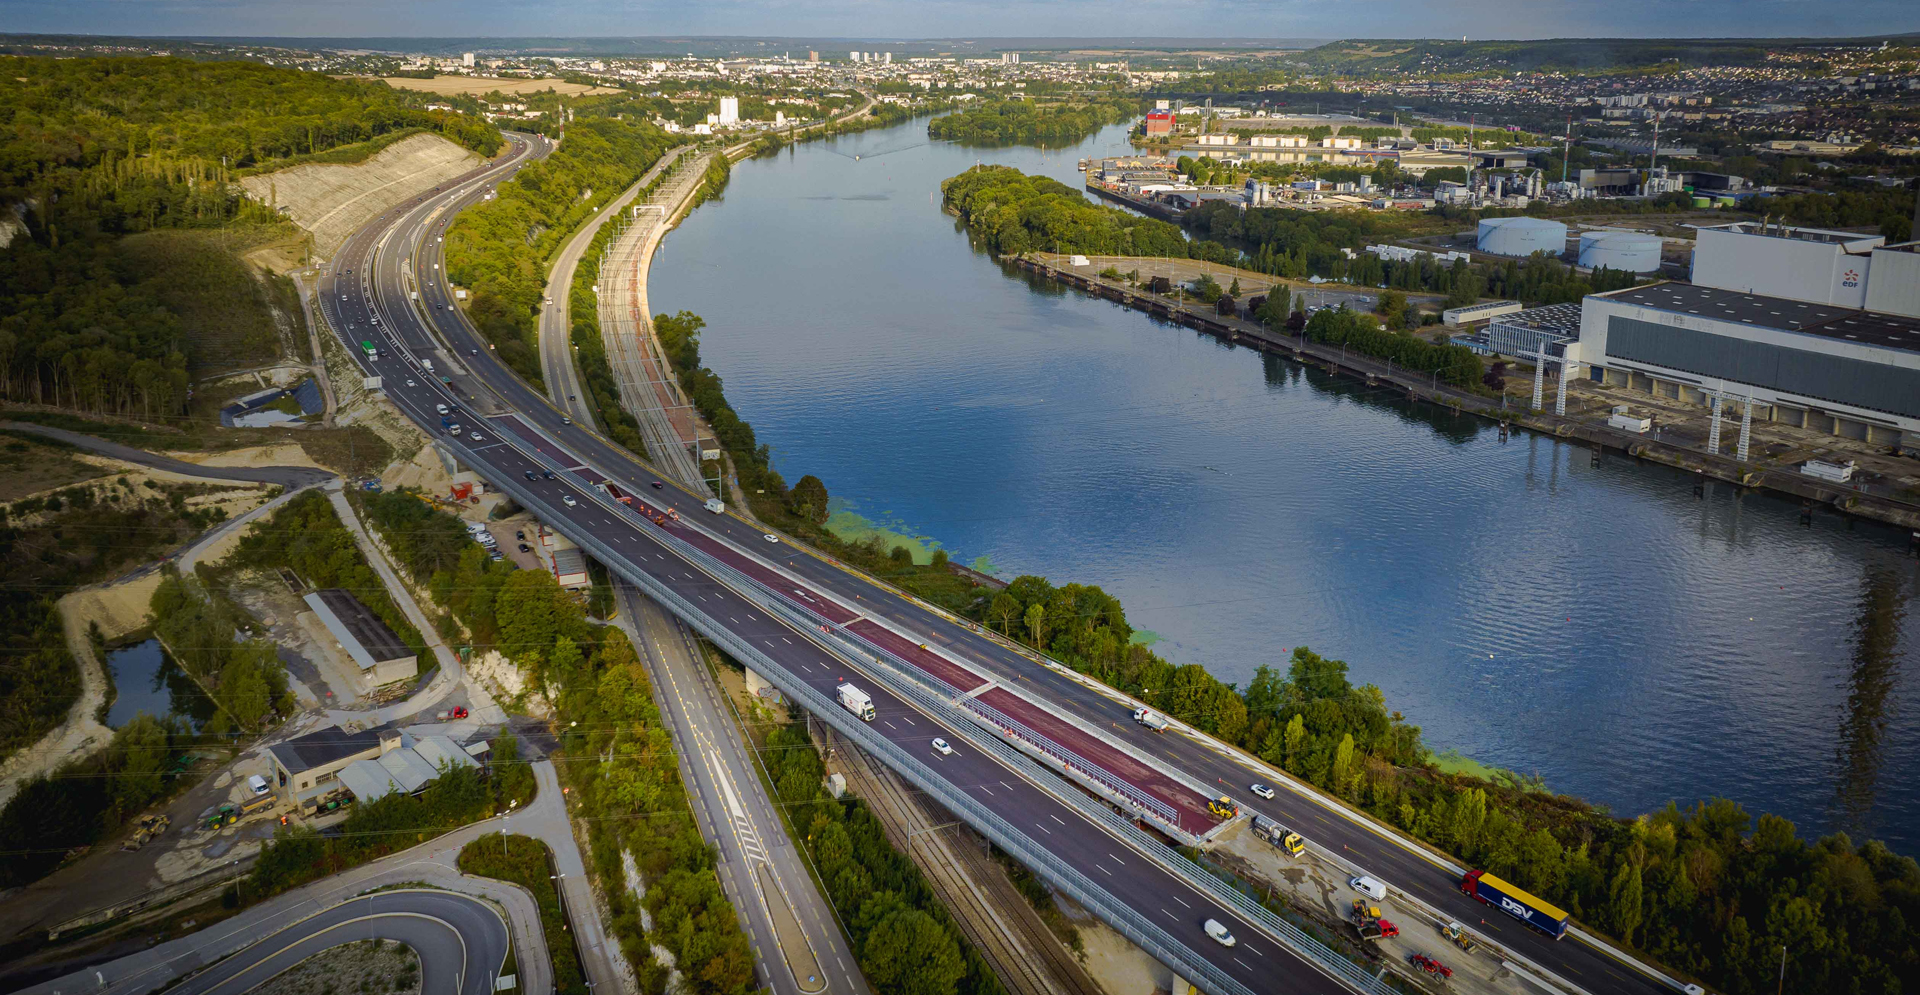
<point>1628,251</point>
<point>1522,236</point>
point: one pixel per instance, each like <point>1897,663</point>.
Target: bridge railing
<point>908,685</point>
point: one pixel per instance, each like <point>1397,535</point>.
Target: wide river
<point>1591,622</point>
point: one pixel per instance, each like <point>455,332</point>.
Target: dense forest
<point>1014,213</point>
<point>500,248</point>
<point>94,150</point>
<point>1029,122</point>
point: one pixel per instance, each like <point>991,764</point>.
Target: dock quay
<point>1849,499</point>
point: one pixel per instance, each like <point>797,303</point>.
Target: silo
<point>1522,236</point>
<point>1628,251</point>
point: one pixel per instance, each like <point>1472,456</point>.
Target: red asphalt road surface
<point>1189,807</point>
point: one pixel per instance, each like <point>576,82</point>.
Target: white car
<point>941,746</point>
<point>1369,887</point>
<point>410,382</point>
<point>1220,934</point>
<point>567,499</point>
<point>1262,790</point>
<point>475,436</point>
<point>770,537</point>
<point>258,784</point>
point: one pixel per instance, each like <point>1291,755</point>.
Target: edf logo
<point>1850,278</point>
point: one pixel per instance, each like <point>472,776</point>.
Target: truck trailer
<point>1146,717</point>
<point>1534,912</point>
<point>856,701</point>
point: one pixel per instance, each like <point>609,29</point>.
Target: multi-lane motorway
<point>375,271</point>
<point>507,426</point>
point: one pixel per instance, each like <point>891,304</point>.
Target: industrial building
<point>1523,334</point>
<point>1521,236</point>
<point>1454,317</point>
<point>382,657</point>
<point>1815,265</point>
<point>1627,251</point>
<point>324,769</point>
<point>1819,366</point>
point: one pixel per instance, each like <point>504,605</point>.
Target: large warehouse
<point>1832,369</point>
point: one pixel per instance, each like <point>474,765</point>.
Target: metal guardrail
<point>908,686</point>
<point>1129,922</point>
<point>1103,778</point>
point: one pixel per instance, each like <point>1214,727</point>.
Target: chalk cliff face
<point>331,200</point>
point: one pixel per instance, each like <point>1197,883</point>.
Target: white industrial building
<point>1827,368</point>
<point>1522,236</point>
<point>1806,264</point>
<point>1626,251</point>
<point>729,110</point>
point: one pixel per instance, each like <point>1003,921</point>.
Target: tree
<point>1625,900</point>
<point>908,953</point>
<point>1342,762</point>
<point>1003,609</point>
<point>1234,291</point>
<point>1036,620</point>
<point>1296,742</point>
<point>1392,307</point>
<point>808,499</point>
<point>1312,677</point>
<point>1496,378</point>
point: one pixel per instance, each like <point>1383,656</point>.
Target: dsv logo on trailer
<point>1515,908</point>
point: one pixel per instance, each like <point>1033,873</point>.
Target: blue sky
<point>963,18</point>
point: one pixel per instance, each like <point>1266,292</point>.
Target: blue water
<point>146,680</point>
<point>1594,624</point>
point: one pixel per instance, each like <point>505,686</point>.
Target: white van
<point>1369,887</point>
<point>716,506</point>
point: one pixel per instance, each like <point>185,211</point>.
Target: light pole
<point>1783,969</point>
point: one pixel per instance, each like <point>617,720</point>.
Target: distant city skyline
<point>916,19</point>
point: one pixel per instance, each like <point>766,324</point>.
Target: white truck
<point>856,701</point>
<point>716,506</point>
<point>1148,718</point>
<point>427,365</point>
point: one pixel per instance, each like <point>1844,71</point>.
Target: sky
<point>881,19</point>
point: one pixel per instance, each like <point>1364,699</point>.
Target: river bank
<point>1592,429</point>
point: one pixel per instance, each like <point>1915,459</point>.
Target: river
<point>1588,621</point>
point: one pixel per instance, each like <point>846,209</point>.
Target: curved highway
<point>376,272</point>
<point>461,940</point>
<point>531,445</point>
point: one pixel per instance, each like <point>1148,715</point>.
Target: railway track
<point>1006,930</point>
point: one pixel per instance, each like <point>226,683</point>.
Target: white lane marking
<point>1044,829</point>
<point>1182,901</point>
<point>988,790</point>
<point>1103,867</point>
<point>1056,818</point>
<point>1116,859</point>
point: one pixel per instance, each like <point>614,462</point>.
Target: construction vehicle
<point>1431,966</point>
<point>258,804</point>
<point>1459,935</point>
<point>1366,919</point>
<point>1223,807</point>
<point>226,815</point>
<point>457,712</point>
<point>1279,835</point>
<point>150,827</point>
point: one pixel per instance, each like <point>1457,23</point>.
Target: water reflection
<point>1863,725</point>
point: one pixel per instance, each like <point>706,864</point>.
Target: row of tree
<point>1707,890</point>
<point>499,249</point>
<point>905,940</point>
<point>244,677</point>
<point>1030,122</point>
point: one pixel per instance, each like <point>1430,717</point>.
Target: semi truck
<point>1146,717</point>
<point>856,701</point>
<point>1546,918</point>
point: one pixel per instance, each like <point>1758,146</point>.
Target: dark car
<point>524,548</point>
<point>658,485</point>
<point>547,475</point>
<point>520,534</point>
<point>530,475</point>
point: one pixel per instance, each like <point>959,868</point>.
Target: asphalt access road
<point>462,942</point>
<point>289,477</point>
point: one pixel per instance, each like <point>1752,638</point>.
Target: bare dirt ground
<point>364,967</point>
<point>29,464</point>
<point>330,200</point>
<point>480,85</point>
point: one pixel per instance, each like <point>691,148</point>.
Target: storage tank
<point>1522,236</point>
<point>1627,251</point>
